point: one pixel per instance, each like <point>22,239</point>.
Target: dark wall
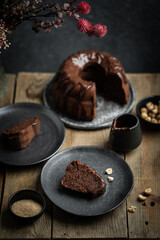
<point>133,37</point>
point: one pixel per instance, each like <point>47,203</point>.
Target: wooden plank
<point>144,162</point>
<point>6,98</point>
<point>8,90</point>
<point>25,177</point>
<point>30,86</point>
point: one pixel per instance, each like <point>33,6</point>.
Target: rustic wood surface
<point>7,98</point>
<point>145,164</point>
<point>57,224</point>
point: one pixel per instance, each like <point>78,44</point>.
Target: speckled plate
<point>106,111</point>
<point>99,159</point>
<point>43,146</point>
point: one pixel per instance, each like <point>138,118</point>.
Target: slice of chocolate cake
<point>21,134</point>
<point>81,178</point>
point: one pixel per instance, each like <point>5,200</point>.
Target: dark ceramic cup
<point>125,133</point>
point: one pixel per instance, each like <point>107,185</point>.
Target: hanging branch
<point>44,16</point>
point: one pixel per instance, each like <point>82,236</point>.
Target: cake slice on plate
<point>21,134</point>
<point>81,178</point>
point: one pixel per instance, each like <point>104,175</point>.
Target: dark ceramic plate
<point>99,159</point>
<point>142,103</point>
<point>106,111</point>
<point>43,146</point>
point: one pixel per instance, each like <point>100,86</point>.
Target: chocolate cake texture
<point>81,178</point>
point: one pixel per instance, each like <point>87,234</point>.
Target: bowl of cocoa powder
<point>26,204</point>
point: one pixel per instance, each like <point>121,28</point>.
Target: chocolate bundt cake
<point>21,134</point>
<point>84,73</point>
<point>81,178</point>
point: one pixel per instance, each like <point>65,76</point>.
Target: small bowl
<point>125,133</point>
<point>142,103</point>
<point>27,194</point>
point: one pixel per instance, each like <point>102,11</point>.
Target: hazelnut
<point>144,109</point>
<point>132,209</point>
<point>155,110</point>
<point>110,179</point>
<point>148,191</point>
<point>109,171</point>
<point>149,106</point>
<point>152,115</point>
<point>158,121</point>
<point>148,119</point>
<point>141,197</point>
<point>153,120</point>
<point>158,117</point>
<point>144,115</point>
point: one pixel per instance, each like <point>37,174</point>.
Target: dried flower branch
<point>3,30</point>
<point>44,16</point>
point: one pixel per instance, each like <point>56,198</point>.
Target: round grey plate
<point>106,111</point>
<point>43,146</point>
<point>99,159</point>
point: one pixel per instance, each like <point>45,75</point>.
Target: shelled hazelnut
<point>154,120</point>
<point>150,106</point>
<point>144,109</point>
<point>152,115</point>
<point>155,110</point>
<point>144,115</point>
<point>132,209</point>
<point>148,119</point>
<point>151,112</point>
<point>158,117</point>
<point>148,191</point>
<point>141,197</point>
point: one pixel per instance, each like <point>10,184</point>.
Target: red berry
<point>100,30</point>
<point>83,25</point>
<point>83,7</point>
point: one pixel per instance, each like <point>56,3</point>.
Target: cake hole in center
<point>108,84</point>
<point>93,72</point>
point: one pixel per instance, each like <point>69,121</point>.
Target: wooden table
<point>57,224</point>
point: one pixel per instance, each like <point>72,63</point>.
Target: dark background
<point>133,37</point>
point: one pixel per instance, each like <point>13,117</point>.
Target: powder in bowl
<point>26,208</point>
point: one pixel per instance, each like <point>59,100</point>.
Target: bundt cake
<point>21,134</point>
<point>81,178</point>
<point>84,73</point>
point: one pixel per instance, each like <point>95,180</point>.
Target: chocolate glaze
<point>124,123</point>
<point>74,86</point>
